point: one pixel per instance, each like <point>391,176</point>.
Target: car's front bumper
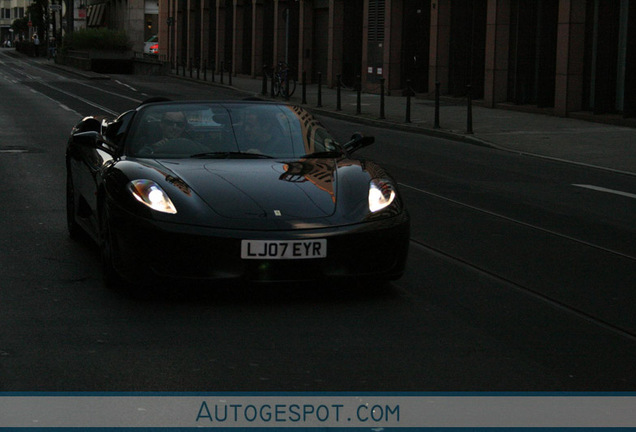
<point>150,250</point>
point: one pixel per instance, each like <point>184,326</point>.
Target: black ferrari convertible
<point>247,190</point>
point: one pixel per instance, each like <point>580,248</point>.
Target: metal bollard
<point>212,68</point>
<point>229,73</point>
<point>408,102</point>
<point>190,67</point>
<point>304,85</point>
<point>205,70</point>
<point>437,87</point>
<point>469,110</point>
<point>287,85</point>
<point>338,95</point>
<point>184,66</point>
<point>221,71</point>
<point>359,95</point>
<point>198,68</point>
<point>273,82</point>
<point>319,104</point>
<point>382,80</point>
<point>264,88</point>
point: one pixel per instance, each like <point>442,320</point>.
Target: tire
<point>276,88</point>
<point>108,253</point>
<point>292,89</point>
<point>73,228</point>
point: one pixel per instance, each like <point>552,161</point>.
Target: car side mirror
<point>86,139</point>
<point>94,140</point>
<point>358,141</point>
<point>111,130</point>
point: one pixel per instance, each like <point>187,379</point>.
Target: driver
<point>173,126</point>
<point>174,136</point>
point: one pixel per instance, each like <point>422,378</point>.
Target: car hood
<point>262,189</point>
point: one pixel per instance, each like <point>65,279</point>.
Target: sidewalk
<point>571,140</point>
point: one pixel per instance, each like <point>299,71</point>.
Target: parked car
<point>244,190</point>
<point>151,43</point>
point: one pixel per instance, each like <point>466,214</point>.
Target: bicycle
<point>282,84</point>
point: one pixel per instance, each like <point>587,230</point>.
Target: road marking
<point>81,99</point>
<point>602,189</point>
<point>14,151</point>
<point>109,92</point>
<point>518,222</point>
<point>77,82</point>
<point>56,101</point>
<point>65,108</point>
<point>126,85</point>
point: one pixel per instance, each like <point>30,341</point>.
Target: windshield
<point>182,130</point>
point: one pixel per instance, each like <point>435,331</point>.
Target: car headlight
<point>149,193</point>
<point>381,194</point>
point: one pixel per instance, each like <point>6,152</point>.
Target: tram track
<point>560,305</point>
<point>522,223</point>
<point>603,308</point>
<point>44,79</point>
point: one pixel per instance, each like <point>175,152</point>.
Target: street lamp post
<point>70,12</point>
<point>287,35</point>
<point>170,22</point>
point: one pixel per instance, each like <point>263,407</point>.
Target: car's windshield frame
<point>270,129</point>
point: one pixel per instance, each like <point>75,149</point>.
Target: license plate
<point>283,249</point>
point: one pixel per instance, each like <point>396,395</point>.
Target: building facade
<point>138,18</point>
<point>562,56</point>
<point>57,19</point>
<point>10,10</point>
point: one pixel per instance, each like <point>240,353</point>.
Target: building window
<point>376,20</point>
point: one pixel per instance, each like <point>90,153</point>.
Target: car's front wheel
<point>110,256</point>
<point>112,278</point>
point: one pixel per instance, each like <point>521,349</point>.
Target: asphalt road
<point>520,276</point>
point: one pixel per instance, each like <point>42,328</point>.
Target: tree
<point>20,26</point>
<point>37,11</point>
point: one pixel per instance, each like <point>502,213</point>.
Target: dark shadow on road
<point>264,293</point>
